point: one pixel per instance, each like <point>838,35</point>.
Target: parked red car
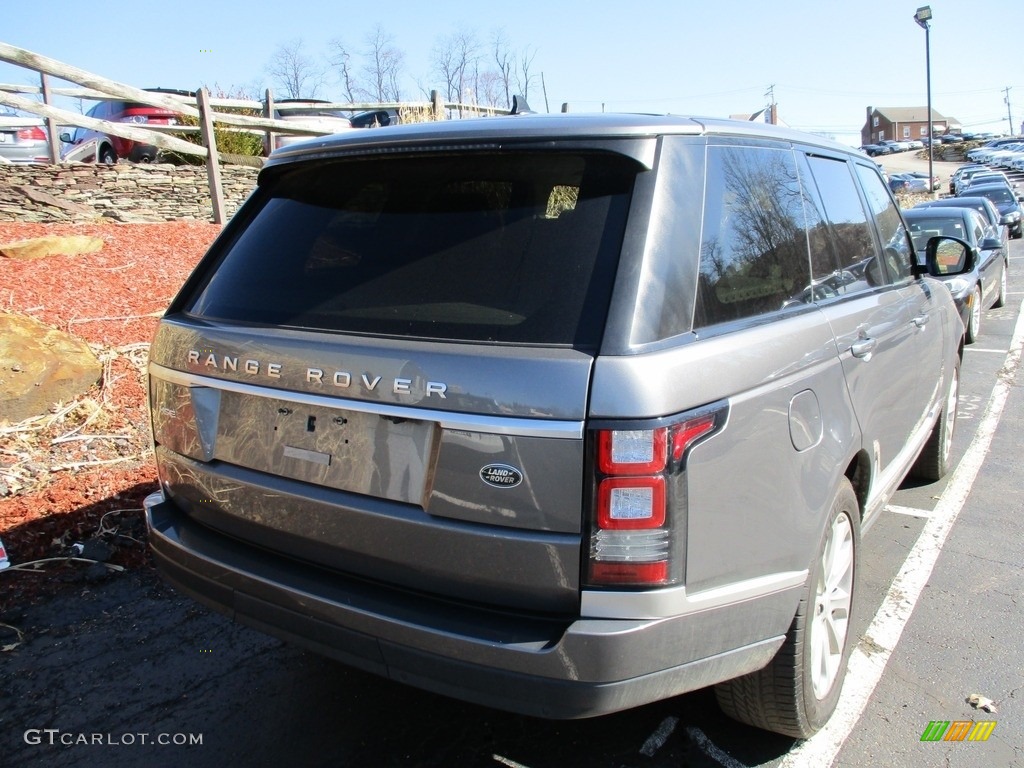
<point>112,148</point>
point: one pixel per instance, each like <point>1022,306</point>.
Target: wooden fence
<point>203,108</point>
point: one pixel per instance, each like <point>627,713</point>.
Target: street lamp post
<point>922,17</point>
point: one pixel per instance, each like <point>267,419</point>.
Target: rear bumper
<point>543,667</point>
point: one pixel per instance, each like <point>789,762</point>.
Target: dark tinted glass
<point>896,251</point>
<point>513,247</point>
<point>753,257</point>
<point>948,223</point>
<point>852,253</point>
<point>981,205</point>
<point>1000,195</point>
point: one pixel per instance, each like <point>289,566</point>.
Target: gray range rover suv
<point>557,414</point>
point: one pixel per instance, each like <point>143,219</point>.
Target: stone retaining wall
<point>124,192</point>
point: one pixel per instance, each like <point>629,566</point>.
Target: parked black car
<point>985,285</point>
<point>876,149</point>
<point>1008,203</point>
<point>982,205</point>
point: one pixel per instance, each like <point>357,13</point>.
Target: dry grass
<point>90,431</point>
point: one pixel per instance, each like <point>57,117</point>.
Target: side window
<point>897,251</point>
<point>845,246</point>
<point>753,256</point>
<point>978,226</point>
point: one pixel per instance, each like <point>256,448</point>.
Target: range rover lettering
<point>557,414</point>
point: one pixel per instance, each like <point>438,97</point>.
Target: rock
<point>53,367</point>
<point>94,549</point>
<point>44,198</point>
<point>50,245</point>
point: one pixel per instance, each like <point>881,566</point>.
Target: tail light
<point>638,507</point>
<point>184,419</point>
<point>34,133</point>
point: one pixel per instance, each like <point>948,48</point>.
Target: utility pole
<point>1009,114</point>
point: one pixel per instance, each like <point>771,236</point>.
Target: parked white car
<point>307,113</point>
<point>987,154</point>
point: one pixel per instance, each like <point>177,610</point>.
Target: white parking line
<point>868,660</point>
<point>506,762</point>
<point>982,349</point>
<point>908,511</point>
<point>720,756</point>
<point>657,739</point>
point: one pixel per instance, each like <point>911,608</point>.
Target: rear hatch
<point>383,368</point>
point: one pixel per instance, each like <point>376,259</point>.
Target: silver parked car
<point>22,139</point>
<point>560,414</point>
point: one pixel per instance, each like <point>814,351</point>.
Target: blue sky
<point>825,61</point>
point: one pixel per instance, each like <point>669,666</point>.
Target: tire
<point>934,461</point>
<point>799,689</point>
<point>973,329</point>
<point>1001,298</point>
<point>107,155</point>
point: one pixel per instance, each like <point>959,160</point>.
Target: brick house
<point>902,124</point>
<point>769,114</point>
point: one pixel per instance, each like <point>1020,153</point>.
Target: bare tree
<point>383,66</point>
<point>504,61</point>
<point>456,61</point>
<point>341,60</point>
<point>297,74</point>
<point>492,90</point>
<point>524,77</point>
<point>443,60</point>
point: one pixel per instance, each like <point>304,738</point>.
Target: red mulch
<point>58,489</point>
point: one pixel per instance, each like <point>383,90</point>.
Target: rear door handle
<point>863,348</point>
<point>920,321</point>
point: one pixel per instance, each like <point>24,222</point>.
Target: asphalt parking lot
<point>126,672</point>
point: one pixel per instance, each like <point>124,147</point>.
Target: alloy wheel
<point>832,602</point>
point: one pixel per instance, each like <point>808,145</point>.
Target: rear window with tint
<point>511,247</point>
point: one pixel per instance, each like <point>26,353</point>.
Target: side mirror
<point>991,244</point>
<point>65,137</point>
<point>947,256</point>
